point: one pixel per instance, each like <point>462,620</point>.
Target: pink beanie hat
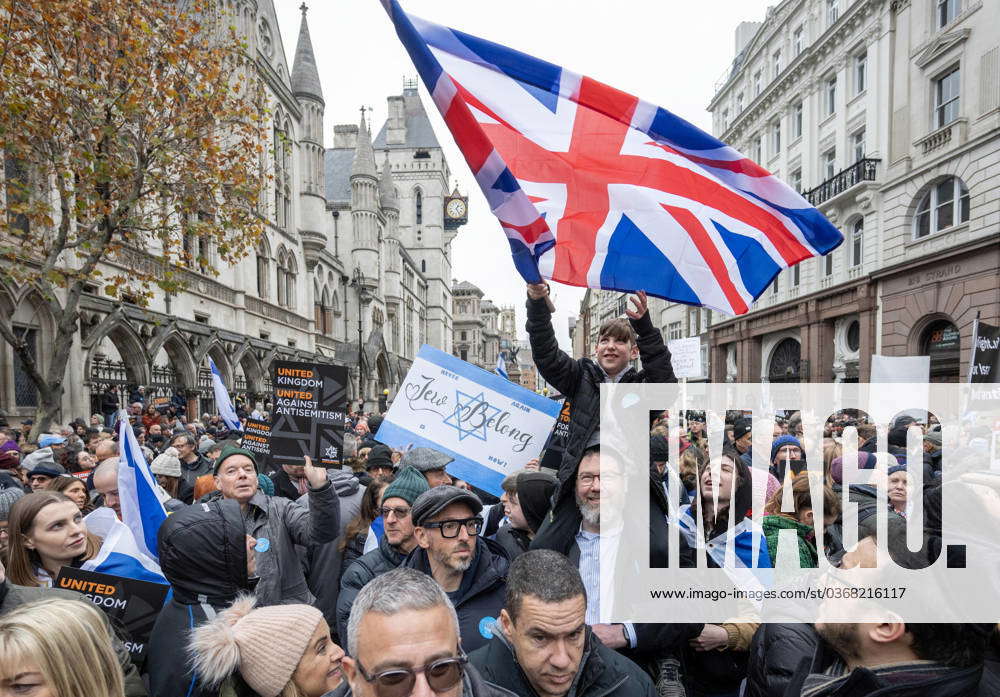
<point>265,644</point>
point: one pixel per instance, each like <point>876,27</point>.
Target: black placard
<point>257,439</point>
<point>131,605</point>
<point>310,401</point>
<point>984,369</point>
<point>558,438</point>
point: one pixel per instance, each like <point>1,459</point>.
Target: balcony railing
<point>861,171</point>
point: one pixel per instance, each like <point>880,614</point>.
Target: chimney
<point>395,133</point>
<point>745,32</point>
<point>345,136</point>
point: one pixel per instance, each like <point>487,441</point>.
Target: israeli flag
<point>119,555</point>
<point>501,368</point>
<point>142,512</point>
<point>222,401</point>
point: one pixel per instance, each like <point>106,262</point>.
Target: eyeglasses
<point>441,676</point>
<point>589,479</point>
<point>450,528</point>
<point>400,511</point>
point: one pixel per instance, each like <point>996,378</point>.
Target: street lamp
<point>358,283</point>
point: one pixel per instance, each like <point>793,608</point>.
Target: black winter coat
<point>202,553</point>
<point>776,652</point>
<point>602,672</point>
<point>862,682</point>
<point>514,542</point>
<point>365,569</point>
<point>580,381</point>
<point>480,597</point>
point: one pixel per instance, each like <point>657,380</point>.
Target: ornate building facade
<point>886,115</point>
<point>354,267</point>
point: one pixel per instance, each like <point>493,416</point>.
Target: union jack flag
<point>596,188</point>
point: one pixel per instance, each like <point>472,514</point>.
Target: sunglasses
<point>441,676</point>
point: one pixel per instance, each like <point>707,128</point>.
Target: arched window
<point>857,242</point>
<point>290,279</point>
<point>327,312</point>
<point>280,277</point>
<point>263,270</point>
<point>423,266</point>
<point>418,206</point>
<point>944,205</point>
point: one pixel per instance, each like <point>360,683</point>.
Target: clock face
<point>455,208</point>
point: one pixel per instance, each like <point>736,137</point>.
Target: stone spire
<point>305,76</point>
<point>386,189</point>
<point>364,154</point>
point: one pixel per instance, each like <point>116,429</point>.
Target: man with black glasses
<point>397,541</point>
<point>403,641</point>
<point>471,569</point>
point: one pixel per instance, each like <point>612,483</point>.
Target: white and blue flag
<point>222,401</point>
<point>501,368</point>
<point>119,555</point>
<point>142,512</point>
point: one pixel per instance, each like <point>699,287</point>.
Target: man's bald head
<point>106,484</point>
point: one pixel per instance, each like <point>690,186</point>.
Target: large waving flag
<point>222,401</point>
<point>596,188</point>
<point>119,554</point>
<point>141,509</point>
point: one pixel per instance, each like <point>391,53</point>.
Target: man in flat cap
<point>430,463</point>
<point>471,569</point>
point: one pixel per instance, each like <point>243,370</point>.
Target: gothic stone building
<point>354,268</point>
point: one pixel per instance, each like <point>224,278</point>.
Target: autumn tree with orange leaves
<point>125,126</point>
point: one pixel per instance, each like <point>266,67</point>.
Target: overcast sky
<point>668,52</point>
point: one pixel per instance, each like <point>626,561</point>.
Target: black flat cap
<point>435,500</point>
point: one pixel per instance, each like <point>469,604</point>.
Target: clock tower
<point>456,210</point>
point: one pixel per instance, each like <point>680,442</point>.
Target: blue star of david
<point>474,426</point>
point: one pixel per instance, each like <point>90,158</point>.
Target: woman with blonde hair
<point>276,651</point>
<point>76,659</point>
<point>47,532</point>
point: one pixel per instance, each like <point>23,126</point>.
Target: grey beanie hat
<point>167,463</point>
<point>7,499</point>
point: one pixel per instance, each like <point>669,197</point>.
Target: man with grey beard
<point>645,643</point>
<point>471,569</point>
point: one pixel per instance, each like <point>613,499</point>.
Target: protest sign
<point>489,425</point>
<point>556,444</point>
<point>685,357</point>
<point>131,605</point>
<point>257,439</point>
<point>161,403</point>
<point>984,368</point>
<point>310,401</point>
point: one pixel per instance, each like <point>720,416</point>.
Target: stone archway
<point>783,365</point>
<point>942,342</point>
<point>116,360</point>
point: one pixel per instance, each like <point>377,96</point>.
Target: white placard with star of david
<point>491,426</point>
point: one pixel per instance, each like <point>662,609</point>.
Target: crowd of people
<point>391,577</point>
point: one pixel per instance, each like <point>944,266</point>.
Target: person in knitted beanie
<point>277,651</point>
<point>167,468</point>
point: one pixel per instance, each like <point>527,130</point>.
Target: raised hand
<point>639,301</point>
<point>315,475</point>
